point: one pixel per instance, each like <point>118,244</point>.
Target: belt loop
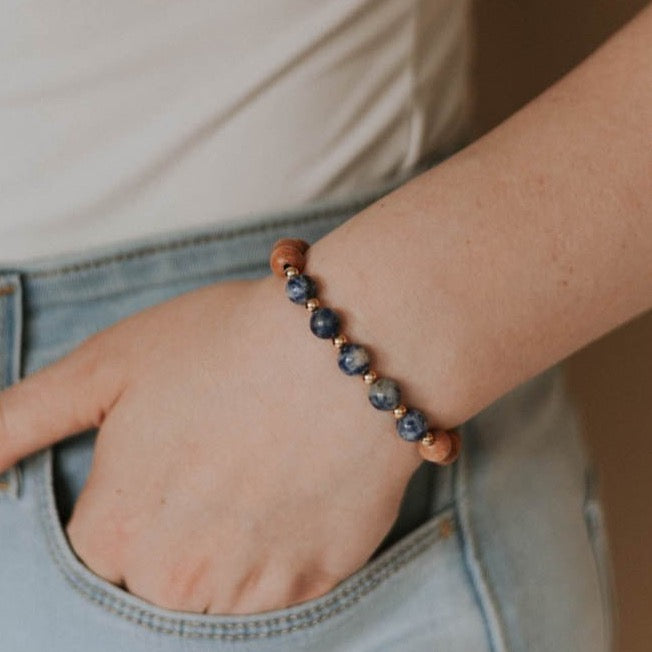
<point>11,328</point>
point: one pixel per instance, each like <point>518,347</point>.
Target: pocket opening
<point>347,595</point>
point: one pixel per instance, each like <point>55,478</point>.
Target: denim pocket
<point>599,539</point>
<point>414,593</point>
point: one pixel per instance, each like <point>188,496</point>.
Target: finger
<point>65,398</point>
<point>275,587</point>
<point>173,579</point>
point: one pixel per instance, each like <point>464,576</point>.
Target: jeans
<point>504,550</point>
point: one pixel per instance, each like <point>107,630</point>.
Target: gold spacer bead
<point>370,377</point>
<point>339,341</point>
<point>290,271</point>
<point>399,412</point>
<point>428,440</point>
<point>440,449</point>
<point>312,304</point>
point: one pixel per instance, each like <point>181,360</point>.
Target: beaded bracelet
<point>287,261</point>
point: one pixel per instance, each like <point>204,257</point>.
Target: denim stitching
<point>341,600</point>
<point>270,224</point>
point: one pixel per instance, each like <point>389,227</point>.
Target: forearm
<point>511,255</point>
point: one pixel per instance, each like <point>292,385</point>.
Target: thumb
<point>69,396</point>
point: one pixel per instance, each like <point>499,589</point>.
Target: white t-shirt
<point>130,118</point>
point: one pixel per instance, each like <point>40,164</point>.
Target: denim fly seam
<point>474,566</point>
<point>10,349</point>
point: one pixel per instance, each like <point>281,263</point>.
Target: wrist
<point>414,326</point>
<point>338,399</point>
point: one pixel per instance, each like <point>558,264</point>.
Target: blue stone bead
<point>384,394</point>
<point>325,323</point>
<point>353,359</point>
<point>412,426</point>
<point>300,288</point>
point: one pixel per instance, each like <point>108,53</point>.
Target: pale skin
<point>471,278</point>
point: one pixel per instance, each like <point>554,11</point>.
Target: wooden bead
<point>455,450</point>
<point>436,447</point>
<point>302,245</point>
<point>297,243</point>
<point>286,254</point>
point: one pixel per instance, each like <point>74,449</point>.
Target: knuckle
<point>311,585</point>
<point>319,588</point>
<point>181,587</point>
<point>273,591</point>
<point>257,602</point>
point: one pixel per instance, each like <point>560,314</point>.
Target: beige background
<point>522,48</point>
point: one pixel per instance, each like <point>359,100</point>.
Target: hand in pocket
<point>236,469</point>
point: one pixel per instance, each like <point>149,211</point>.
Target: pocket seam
<point>224,627</point>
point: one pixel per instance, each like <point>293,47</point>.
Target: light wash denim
<point>505,550</point>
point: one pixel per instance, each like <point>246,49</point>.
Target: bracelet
<point>287,260</point>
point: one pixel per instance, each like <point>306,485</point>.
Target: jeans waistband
<point>228,248</point>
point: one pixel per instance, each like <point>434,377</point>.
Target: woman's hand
<point>236,469</point>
